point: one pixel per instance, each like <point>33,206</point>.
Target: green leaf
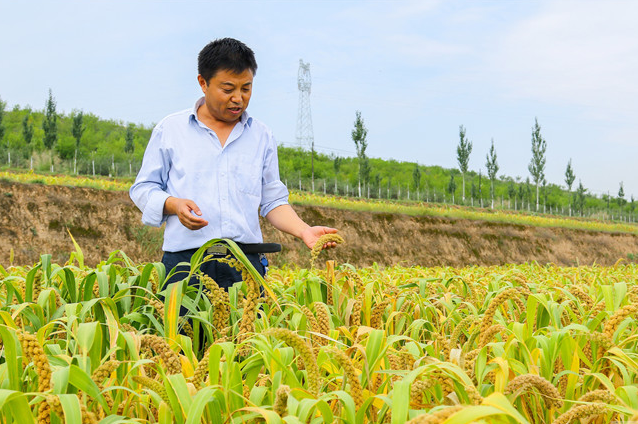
<point>71,407</point>
<point>201,399</point>
<point>15,404</point>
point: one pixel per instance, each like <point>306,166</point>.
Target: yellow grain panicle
<point>220,301</point>
<point>547,390</point>
<point>34,351</point>
<point>304,351</point>
<point>323,319</point>
<point>53,405</point>
<point>355,315</point>
<point>153,385</point>
<point>377,313</point>
<point>350,373</point>
<point>104,371</point>
<point>160,346</point>
<point>281,400</point>
<point>459,328</point>
<point>201,371</point>
<point>488,317</point>
<point>601,395</point>
<point>247,323</point>
<point>436,417</point>
<point>490,333</point>
<point>419,387</point>
<point>619,316</point>
<point>321,241</point>
<point>581,411</point>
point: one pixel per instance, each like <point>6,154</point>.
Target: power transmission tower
<point>304,133</point>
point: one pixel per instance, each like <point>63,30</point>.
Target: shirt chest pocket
<point>247,175</point>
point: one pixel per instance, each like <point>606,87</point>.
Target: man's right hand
<point>187,211</point>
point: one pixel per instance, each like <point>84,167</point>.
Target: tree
<point>451,187</point>
<point>27,127</point>
<point>569,180</point>
<point>537,164</point>
<point>621,195</point>
<point>473,192</point>
<point>129,137</point>
<point>580,197</point>
<point>359,134</point>
<point>511,192</point>
<point>480,188</point>
<point>416,178</point>
<point>528,192</point>
<point>336,163</point>
<point>2,106</point>
<point>78,128</point>
<point>50,123</point>
<point>544,184</point>
<point>492,169</point>
<point>463,151</point>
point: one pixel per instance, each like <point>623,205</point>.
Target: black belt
<point>222,248</point>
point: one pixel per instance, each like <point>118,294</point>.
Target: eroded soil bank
<point>35,219</point>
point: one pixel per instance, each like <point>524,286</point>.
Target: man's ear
<point>202,82</point>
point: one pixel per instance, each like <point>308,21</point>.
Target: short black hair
<point>225,53</point>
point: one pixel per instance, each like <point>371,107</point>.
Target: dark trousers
<point>224,275</point>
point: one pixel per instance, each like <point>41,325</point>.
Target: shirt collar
<point>245,118</point>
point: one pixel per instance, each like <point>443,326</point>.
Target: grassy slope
<point>413,208</point>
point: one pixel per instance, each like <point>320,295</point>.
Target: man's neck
<point>221,128</point>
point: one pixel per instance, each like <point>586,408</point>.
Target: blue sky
<point>415,69</point>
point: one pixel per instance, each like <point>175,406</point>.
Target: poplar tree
<point>569,180</point>
<point>492,169</point>
<point>129,137</point>
<point>480,188</point>
<point>451,187</point>
<point>78,128</point>
<point>621,195</point>
<point>416,178</point>
<point>537,165</point>
<point>50,123</point>
<point>2,106</point>
<point>359,134</point>
<point>511,192</point>
<point>27,127</point>
<point>463,151</point>
<point>580,197</point>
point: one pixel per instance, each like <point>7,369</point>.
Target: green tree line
<point>402,180</point>
<point>83,143</point>
<point>79,142</point>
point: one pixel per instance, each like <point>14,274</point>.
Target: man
<point>209,171</point>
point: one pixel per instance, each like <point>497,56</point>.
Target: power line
<point>326,148</point>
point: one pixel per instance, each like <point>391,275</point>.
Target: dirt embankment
<point>35,219</point>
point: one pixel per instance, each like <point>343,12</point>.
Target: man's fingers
<point>192,206</point>
<point>190,221</point>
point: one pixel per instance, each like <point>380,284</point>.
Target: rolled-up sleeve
<point>148,192</point>
<point>273,192</point>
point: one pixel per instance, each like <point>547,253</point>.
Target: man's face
<point>227,94</point>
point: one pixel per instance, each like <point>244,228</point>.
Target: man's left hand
<point>311,234</point>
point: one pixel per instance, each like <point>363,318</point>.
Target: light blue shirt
<point>230,184</point>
